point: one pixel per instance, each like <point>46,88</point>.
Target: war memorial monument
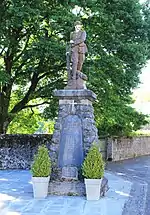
<point>75,128</point>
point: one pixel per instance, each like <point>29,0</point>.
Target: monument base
<point>69,173</point>
<point>67,188</point>
<point>74,133</point>
<point>75,129</point>
<point>79,103</point>
<point>74,188</point>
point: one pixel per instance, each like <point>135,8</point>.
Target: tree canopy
<point>33,37</point>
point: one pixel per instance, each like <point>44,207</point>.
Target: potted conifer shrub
<point>41,170</point>
<point>93,172</point>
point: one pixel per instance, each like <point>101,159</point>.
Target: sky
<point>143,88</point>
<point>145,78</point>
<point>142,91</point>
<point>142,1</point>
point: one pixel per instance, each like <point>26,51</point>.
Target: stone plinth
<point>74,188</point>
<point>75,94</point>
<point>69,188</point>
<point>76,103</point>
<point>74,133</point>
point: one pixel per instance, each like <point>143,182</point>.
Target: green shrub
<point>41,166</point>
<point>93,165</point>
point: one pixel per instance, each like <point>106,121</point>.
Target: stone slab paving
<point>16,198</point>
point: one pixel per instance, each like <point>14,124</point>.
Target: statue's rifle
<point>68,53</point>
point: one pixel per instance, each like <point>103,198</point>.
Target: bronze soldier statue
<point>78,49</point>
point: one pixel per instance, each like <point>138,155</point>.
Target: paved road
<point>138,172</point>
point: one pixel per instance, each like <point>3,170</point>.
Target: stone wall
<point>124,148</point>
<point>17,151</point>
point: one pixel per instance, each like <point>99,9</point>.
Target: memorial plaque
<point>71,148</point>
<point>69,172</point>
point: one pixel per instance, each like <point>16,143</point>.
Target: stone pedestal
<point>74,188</point>
<point>74,133</point>
<point>75,130</point>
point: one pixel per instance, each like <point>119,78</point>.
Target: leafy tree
<point>26,122</point>
<point>33,37</point>
<point>29,121</point>
<point>32,54</point>
<point>121,43</point>
<point>119,119</point>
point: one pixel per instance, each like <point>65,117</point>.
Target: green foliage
<point>118,119</point>
<point>93,165</point>
<point>45,127</point>
<point>30,121</point>
<point>41,166</point>
<point>144,131</point>
<point>33,37</point>
<point>25,122</point>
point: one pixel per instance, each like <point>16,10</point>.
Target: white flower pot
<point>92,187</point>
<point>40,186</point>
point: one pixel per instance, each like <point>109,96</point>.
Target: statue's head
<point>78,25</point>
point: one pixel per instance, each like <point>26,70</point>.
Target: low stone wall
<point>17,151</point>
<point>124,148</point>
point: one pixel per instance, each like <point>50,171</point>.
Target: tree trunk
<point>5,92</point>
<point>4,126</point>
<point>4,119</point>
